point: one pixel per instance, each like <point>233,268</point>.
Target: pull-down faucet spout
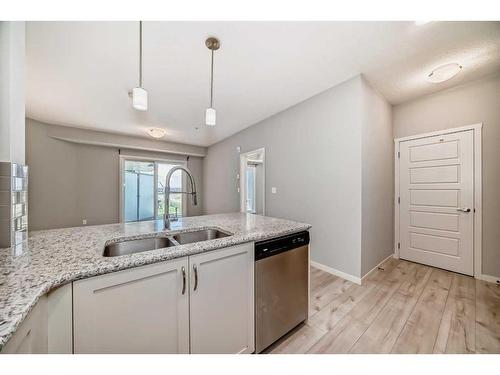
<point>166,216</point>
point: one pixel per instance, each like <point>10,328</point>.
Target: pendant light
<point>212,44</point>
<point>139,95</point>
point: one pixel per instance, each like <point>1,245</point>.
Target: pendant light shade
<point>210,117</point>
<point>212,44</point>
<point>139,95</point>
<point>140,99</point>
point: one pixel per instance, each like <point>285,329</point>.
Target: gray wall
<point>468,104</point>
<point>313,158</point>
<point>70,182</point>
<point>377,180</point>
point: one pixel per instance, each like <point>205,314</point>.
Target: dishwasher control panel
<point>264,249</point>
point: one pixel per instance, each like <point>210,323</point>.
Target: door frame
<point>242,178</point>
<point>123,157</point>
<point>478,199</point>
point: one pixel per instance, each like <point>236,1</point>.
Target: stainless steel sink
<point>137,246</point>
<point>127,247</point>
<point>198,236</point>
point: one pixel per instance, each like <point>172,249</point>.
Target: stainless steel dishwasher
<point>281,287</point>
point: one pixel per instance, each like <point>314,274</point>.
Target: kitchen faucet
<point>166,217</point>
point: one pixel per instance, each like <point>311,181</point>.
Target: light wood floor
<point>403,307</point>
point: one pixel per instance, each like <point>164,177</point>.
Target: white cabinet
<point>31,336</point>
<point>151,309</point>
<point>47,328</point>
<point>222,300</point>
<point>60,320</point>
<point>139,310</point>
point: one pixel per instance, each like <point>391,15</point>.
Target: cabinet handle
<point>195,277</point>
<point>183,270</point>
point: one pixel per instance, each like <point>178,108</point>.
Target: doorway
<point>438,199</point>
<point>252,182</point>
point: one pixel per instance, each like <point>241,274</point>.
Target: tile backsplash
<point>13,204</point>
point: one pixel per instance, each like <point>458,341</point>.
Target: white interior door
<point>436,201</point>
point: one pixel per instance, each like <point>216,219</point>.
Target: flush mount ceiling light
<point>212,44</point>
<point>139,95</point>
<point>444,72</point>
<point>156,132</point>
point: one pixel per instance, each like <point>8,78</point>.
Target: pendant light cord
<point>212,82</point>
<point>140,54</point>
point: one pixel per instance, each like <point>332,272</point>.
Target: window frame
<point>155,161</point>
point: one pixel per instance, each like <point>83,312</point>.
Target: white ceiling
<point>79,73</point>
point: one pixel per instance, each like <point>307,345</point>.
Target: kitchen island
<point>53,258</point>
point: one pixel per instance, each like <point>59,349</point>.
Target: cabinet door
<point>222,300</point>
<point>140,310</point>
<point>31,336</point>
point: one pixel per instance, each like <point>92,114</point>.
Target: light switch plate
<point>273,190</point>
<point>84,221</point>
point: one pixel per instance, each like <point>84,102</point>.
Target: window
<point>143,190</point>
<point>250,180</point>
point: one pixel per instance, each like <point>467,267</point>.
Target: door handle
<point>183,270</point>
<point>464,209</point>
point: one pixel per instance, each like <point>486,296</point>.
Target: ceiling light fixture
<point>156,132</point>
<point>212,44</point>
<point>444,73</point>
<point>139,95</point>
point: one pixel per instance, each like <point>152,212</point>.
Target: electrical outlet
<point>84,221</point>
<point>273,190</point>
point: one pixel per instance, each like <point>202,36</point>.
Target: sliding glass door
<point>143,194</point>
<point>138,190</point>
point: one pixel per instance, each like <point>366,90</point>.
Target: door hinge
<point>399,200</point>
<point>399,155</point>
<point>399,245</point>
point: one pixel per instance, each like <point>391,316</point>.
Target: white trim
<point>478,210</point>
<point>336,272</point>
<point>396,196</point>
<point>242,178</point>
<point>488,278</point>
<point>375,268</point>
<point>478,202</point>
<point>123,157</point>
<point>440,132</point>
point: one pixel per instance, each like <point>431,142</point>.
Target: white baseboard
<point>488,278</point>
<point>376,267</point>
<point>336,272</point>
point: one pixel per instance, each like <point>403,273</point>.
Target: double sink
<point>145,244</point>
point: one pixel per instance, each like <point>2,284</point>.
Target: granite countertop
<point>52,258</point>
